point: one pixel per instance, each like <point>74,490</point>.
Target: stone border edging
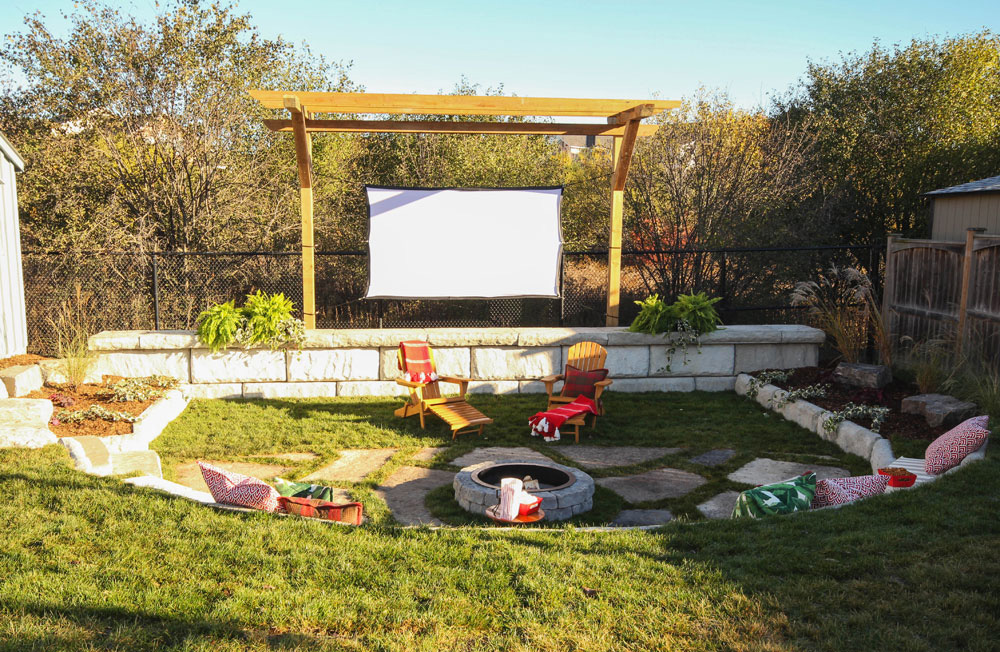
<point>849,436</point>
<point>149,424</point>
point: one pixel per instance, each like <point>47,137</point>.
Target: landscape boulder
<point>857,374</point>
<point>939,409</point>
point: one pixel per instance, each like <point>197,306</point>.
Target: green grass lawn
<point>90,563</point>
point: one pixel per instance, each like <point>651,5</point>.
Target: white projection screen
<point>463,243</point>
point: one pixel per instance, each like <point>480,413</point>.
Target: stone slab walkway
<point>633,517</point>
<point>427,454</point>
<point>766,471</point>
<point>189,475</point>
<point>653,485</point>
<point>404,492</point>
<point>720,506</point>
<point>353,465</point>
<point>494,453</point>
<point>714,457</point>
<point>292,457</point>
<point>606,457</point>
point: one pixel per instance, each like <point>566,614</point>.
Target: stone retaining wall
<point>498,360</point>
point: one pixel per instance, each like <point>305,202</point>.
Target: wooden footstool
<point>461,417</point>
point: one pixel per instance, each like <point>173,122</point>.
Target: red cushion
<point>948,450</point>
<point>840,491</point>
<point>581,383</point>
<point>312,508</point>
<point>232,488</point>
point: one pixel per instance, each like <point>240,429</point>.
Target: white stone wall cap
<point>473,336</point>
<point>170,339</point>
<point>346,337</point>
<point>114,341</point>
<point>562,336</point>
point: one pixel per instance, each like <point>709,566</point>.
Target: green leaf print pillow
<point>783,497</point>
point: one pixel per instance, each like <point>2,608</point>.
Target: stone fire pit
<point>565,491</point>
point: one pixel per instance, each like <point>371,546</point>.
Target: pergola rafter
<point>623,124</point>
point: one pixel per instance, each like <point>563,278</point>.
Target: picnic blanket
<point>547,423</point>
<point>416,362</point>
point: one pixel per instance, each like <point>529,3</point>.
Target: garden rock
<point>939,409</point>
<point>653,485</point>
<point>189,475</point>
<point>720,506</point>
<point>25,412</point>
<point>857,374</point>
<point>21,380</point>
<point>89,454</point>
<point>25,437</point>
<point>803,413</point>
<point>427,454</point>
<point>606,457</point>
<point>767,471</point>
<point>634,517</point>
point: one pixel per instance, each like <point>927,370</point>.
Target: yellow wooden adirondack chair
<point>585,356</point>
<point>425,397</point>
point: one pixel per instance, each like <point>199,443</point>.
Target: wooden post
<point>615,244</point>
<point>303,156</point>
<point>963,302</point>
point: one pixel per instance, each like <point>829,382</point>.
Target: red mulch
<point>84,396</point>
<point>13,361</point>
<point>897,424</point>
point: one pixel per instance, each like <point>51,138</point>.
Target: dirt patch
<point>17,360</point>
<point>838,395</point>
<point>85,396</point>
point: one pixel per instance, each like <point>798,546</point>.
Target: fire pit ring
<point>564,491</point>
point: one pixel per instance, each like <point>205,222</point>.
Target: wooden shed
<point>956,209</point>
<point>13,327</point>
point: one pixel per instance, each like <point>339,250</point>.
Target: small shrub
<point>74,323</point>
<point>764,378</point>
<point>810,391</point>
<point>698,311</point>
<point>932,364</point>
<point>684,321</point>
<point>93,412</point>
<point>133,389</point>
<point>654,316</point>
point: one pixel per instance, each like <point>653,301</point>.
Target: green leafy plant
<point>654,316</point>
<point>684,321</point>
<point>140,389</point>
<point>264,319</point>
<point>93,412</point>
<point>219,325</point>
<point>854,412</point>
<point>810,391</point>
<point>764,378</point>
<point>698,311</point>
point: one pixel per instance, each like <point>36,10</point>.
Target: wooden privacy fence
<point>936,289</point>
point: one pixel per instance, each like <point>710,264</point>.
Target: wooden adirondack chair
<point>585,356</point>
<point>425,397</point>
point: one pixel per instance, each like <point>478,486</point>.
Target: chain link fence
<point>167,290</point>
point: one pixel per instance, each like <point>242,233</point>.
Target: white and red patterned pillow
<point>232,488</point>
<point>948,450</point>
<point>840,491</point>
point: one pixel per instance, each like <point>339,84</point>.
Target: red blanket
<point>547,423</point>
<point>416,362</point>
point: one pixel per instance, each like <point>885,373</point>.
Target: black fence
<point>167,290</point>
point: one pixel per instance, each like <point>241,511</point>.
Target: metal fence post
<point>723,281</point>
<point>156,295</point>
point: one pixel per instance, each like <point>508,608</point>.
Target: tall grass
<point>75,322</point>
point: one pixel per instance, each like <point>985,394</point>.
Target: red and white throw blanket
<point>547,423</point>
<point>416,362</point>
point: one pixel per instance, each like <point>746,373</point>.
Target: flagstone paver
<point>605,457</point>
<point>720,506</point>
<point>427,454</point>
<point>630,517</point>
<point>292,457</point>
<point>494,453</point>
<point>714,457</point>
<point>404,492</point>
<point>653,485</point>
<point>189,475</point>
<point>352,465</point>
<point>766,471</point>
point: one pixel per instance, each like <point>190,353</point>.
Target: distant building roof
<point>991,184</point>
<point>8,150</point>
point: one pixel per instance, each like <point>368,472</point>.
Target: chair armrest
<point>551,379</point>
<point>454,379</point>
<point>409,383</point>
<point>603,383</point>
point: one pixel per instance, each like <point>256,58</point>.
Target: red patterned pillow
<point>948,450</point>
<point>581,383</point>
<point>840,491</point>
<point>232,488</point>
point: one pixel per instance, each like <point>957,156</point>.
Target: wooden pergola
<point>623,123</point>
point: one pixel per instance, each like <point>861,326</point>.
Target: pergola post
<point>303,156</point>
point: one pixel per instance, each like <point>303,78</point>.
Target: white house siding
<point>13,327</point>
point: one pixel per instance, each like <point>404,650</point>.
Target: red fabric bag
<point>350,513</point>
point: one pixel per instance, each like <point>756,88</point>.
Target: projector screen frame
<point>559,254</point>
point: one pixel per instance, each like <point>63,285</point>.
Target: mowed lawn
<point>91,563</point>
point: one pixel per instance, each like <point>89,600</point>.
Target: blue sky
<point>634,49</point>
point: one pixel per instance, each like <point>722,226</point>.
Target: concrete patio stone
<point>633,517</point>
<point>494,453</point>
<point>353,465</point>
<point>427,454</point>
<point>606,457</point>
<point>189,474</point>
<point>143,462</point>
<point>653,485</point>
<point>405,490</point>
<point>719,506</point>
<point>714,457</point>
<point>764,470</point>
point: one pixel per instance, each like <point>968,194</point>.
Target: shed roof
<point>992,184</point>
<point>11,153</point>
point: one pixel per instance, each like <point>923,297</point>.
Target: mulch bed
<point>838,395</point>
<point>84,396</point>
<point>14,361</point>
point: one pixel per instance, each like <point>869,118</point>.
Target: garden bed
<point>18,360</point>
<point>85,396</point>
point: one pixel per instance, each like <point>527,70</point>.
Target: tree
<point>894,123</point>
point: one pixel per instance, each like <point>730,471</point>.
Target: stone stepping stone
<point>189,475</point>
<point>720,506</point>
<point>653,485</point>
<point>714,457</point>
<point>767,471</point>
<point>494,453</point>
<point>606,457</point>
<point>405,490</point>
<point>353,465</point>
<point>427,454</point>
<point>630,517</point>
<point>292,457</point>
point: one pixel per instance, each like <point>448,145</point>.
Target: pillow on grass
<point>840,491</point>
<point>581,383</point>
<point>232,488</point>
<point>347,513</point>
<point>791,495</point>
<point>948,450</point>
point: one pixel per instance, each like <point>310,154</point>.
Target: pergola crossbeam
<point>439,127</point>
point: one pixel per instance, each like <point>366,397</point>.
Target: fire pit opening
<point>549,478</point>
